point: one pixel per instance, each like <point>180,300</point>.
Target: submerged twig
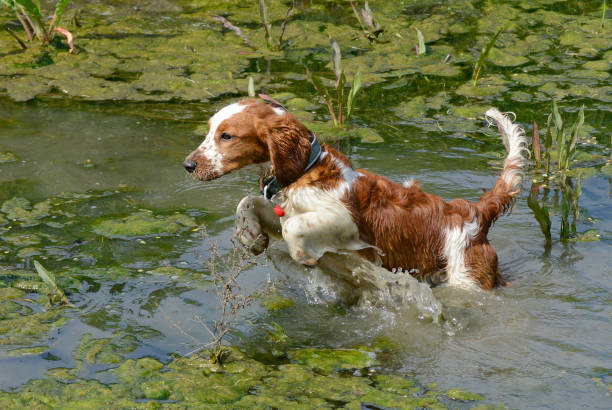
<point>284,25</point>
<point>226,23</point>
<point>21,43</point>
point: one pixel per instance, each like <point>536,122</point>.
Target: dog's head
<point>249,132</point>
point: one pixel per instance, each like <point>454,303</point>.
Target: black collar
<point>271,186</point>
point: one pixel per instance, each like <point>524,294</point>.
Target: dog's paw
<point>248,232</point>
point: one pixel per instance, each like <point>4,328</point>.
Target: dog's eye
<point>226,136</point>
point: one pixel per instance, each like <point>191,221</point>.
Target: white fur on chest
<point>317,221</point>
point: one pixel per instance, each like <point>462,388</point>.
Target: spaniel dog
<point>318,203</point>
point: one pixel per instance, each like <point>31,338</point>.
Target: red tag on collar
<point>279,211</point>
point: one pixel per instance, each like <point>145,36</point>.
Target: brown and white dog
<point>327,206</point>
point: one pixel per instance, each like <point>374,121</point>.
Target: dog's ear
<point>288,143</point>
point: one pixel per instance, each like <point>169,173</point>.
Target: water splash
<point>348,277</point>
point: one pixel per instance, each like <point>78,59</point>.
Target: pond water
<point>91,185</point>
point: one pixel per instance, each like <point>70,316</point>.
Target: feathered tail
<point>500,199</point>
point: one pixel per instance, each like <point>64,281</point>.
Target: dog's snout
<point>190,165</point>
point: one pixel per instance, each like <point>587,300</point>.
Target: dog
<point>318,203</point>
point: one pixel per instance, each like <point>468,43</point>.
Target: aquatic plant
<point>263,12</point>
<point>49,279</point>
<point>225,271</point>
<point>30,16</point>
<point>342,100</point>
<point>371,30</point>
<point>565,148</point>
<point>483,56</point>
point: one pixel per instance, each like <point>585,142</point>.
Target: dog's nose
<point>189,165</point>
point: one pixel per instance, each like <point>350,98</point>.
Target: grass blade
<point>558,119</point>
<point>353,94</point>
<point>421,49</point>
<point>603,13</point>
<point>483,56</point>
<point>577,126</point>
<point>49,279</point>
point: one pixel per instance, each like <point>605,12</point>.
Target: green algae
<point>505,59</point>
<point>329,360</point>
<point>26,330</point>
<point>463,395</point>
<point>144,223</point>
<point>486,87</point>
<point>396,384</point>
<point>242,383</point>
<point>6,157</point>
<point>369,136</point>
<point>27,351</point>
<point>21,210</point>
<point>274,302</point>
<point>110,350</point>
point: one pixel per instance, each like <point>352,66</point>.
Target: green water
<point>91,146</point>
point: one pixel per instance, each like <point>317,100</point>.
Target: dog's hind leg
<point>255,223</point>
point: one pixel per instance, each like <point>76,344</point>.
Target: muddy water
<point>106,206</point>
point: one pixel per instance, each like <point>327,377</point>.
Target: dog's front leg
<point>311,234</point>
<point>255,223</point>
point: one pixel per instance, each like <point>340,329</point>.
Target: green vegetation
<point>49,279</point>
<point>560,156</point>
<point>342,100</point>
<point>483,57</point>
<point>263,12</point>
<point>30,16</point>
<point>371,29</point>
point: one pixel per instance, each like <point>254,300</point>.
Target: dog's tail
<point>500,199</point>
